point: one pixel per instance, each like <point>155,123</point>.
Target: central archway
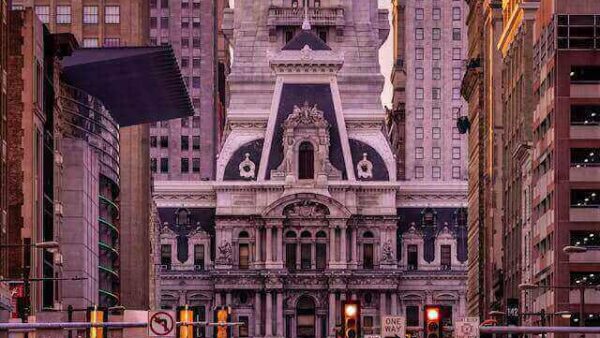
<point>305,318</point>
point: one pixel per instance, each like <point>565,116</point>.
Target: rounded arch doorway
<point>305,318</point>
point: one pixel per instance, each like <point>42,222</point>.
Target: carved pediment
<point>306,209</point>
<point>306,116</point>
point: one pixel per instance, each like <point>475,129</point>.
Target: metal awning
<point>137,84</point>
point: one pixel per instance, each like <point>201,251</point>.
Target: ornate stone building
<point>306,211</point>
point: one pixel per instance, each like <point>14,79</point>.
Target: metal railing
<point>323,16</point>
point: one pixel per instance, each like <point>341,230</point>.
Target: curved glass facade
<point>86,118</point>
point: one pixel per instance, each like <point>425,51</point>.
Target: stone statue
<point>225,253</point>
<point>247,167</point>
<point>387,253</point>
<point>364,167</point>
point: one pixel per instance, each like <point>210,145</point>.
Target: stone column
<point>257,246</point>
<point>330,329</point>
<point>382,307</point>
<point>343,247</point>
<point>317,327</point>
<point>313,256</point>
<point>354,252</point>
<point>269,315</point>
<point>279,319</point>
<point>279,245</point>
<point>217,298</point>
<point>257,311</point>
<point>228,299</point>
<point>269,246</point>
<point>331,246</point>
<point>394,304</point>
<point>298,245</point>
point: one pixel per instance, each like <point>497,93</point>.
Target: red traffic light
<point>433,314</point>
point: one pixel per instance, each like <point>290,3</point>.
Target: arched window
<point>321,234</point>
<point>183,217</point>
<point>243,234</point>
<point>305,234</point>
<point>290,234</point>
<point>306,161</point>
<point>368,234</point>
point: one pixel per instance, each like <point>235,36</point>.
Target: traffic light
<point>432,322</point>
<point>96,315</point>
<point>185,315</point>
<point>223,316</point>
<point>351,319</point>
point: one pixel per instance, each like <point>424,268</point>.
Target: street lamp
<point>571,249</point>
<point>564,314</point>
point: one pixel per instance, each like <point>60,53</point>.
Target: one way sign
<point>393,327</point>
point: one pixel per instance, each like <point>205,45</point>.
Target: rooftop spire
<point>306,23</point>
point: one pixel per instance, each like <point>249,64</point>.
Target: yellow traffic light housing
<point>432,322</point>
<point>351,319</point>
<point>185,315</point>
<point>222,317</point>
<point>96,315</point>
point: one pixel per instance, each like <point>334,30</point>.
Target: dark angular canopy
<point>306,37</point>
<point>137,84</point>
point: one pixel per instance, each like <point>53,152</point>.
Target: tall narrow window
<point>306,161</point>
<point>290,256</point>
<point>165,255</point>
<point>413,257</point>
<point>112,14</point>
<point>244,257</point>
<point>445,257</point>
<point>305,256</point>
<point>321,256</point>
<point>368,256</point>
<point>199,256</point>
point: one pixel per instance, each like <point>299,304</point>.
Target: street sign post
<point>393,326</point>
<point>161,324</point>
<point>467,328</point>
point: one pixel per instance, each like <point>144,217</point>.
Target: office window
<point>456,172</point>
<point>456,36</point>
<point>419,73</point>
<point>305,256</point>
<point>436,93</point>
<point>164,3</point>
<point>455,112</point>
<point>457,73</point>
<point>436,13</point>
<point>456,93</point>
<point>456,54</point>
<point>436,172</point>
<point>419,93</point>
<point>412,315</point>
<point>153,22</point>
<point>90,14</point>
<point>185,22</point>
<point>164,22</point>
<point>367,325</point>
<point>419,113</point>
<point>419,153</point>
<point>436,133</point>
<point>436,113</point>
<point>419,33</point>
<point>185,142</point>
<point>244,256</point>
<point>165,255</point>
<point>195,142</point>
<point>43,13</point>
<point>199,256</point>
<point>196,82</point>
<point>436,53</point>
<point>196,62</point>
<point>153,3</point>
<point>456,153</point>
<point>185,165</point>
<point>419,172</point>
<point>63,14</point>
<point>436,34</point>
<point>153,165</point>
<point>196,122</point>
<point>164,141</point>
<point>164,165</point>
<point>112,42</point>
<point>196,165</point>
<point>455,133</point>
<point>185,62</point>
<point>456,14</point>
<point>436,153</point>
<point>419,53</point>
<point>436,73</point>
<point>412,254</point>
<point>419,13</point>
<point>196,23</point>
<point>185,122</point>
<point>446,257</point>
<point>196,42</point>
<point>112,14</point>
<point>368,256</point>
<point>153,141</point>
<point>90,42</point>
<point>419,133</point>
<point>185,42</point>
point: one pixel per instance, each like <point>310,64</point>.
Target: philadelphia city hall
<point>305,211</point>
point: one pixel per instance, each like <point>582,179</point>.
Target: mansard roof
<point>306,38</point>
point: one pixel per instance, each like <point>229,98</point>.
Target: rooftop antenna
<point>306,23</point>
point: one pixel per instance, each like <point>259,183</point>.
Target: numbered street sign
<point>161,324</point>
<point>467,328</point>
<point>393,326</point>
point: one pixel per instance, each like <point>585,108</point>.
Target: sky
<point>385,57</point>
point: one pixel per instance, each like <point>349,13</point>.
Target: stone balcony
<point>322,16</point>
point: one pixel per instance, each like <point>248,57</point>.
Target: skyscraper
<point>186,149</point>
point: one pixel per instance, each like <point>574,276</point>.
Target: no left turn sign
<point>161,323</point>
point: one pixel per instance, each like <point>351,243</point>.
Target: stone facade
<point>305,211</point>
<point>186,149</point>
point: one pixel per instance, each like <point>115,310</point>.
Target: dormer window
<point>306,161</point>
<point>183,217</point>
<point>428,217</point>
